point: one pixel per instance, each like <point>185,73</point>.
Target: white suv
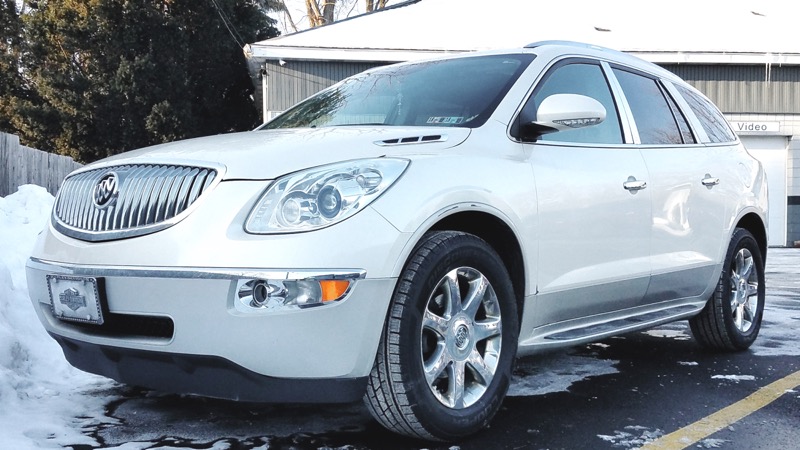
<point>405,234</point>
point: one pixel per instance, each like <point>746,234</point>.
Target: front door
<point>594,206</point>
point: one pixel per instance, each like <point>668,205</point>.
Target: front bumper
<point>209,376</point>
<point>316,354</point>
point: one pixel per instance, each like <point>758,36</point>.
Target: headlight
<point>318,197</point>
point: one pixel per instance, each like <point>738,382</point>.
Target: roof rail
<point>570,44</point>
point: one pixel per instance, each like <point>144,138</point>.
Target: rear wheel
<point>445,358</point>
<point>731,319</point>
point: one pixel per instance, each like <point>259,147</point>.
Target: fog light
<point>267,295</point>
<point>260,294</point>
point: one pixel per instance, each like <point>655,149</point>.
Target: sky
<point>297,8</point>
<point>763,31</point>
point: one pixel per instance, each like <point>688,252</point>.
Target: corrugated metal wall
<point>748,89</point>
<point>296,80</point>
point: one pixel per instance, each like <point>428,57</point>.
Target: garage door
<point>772,151</point>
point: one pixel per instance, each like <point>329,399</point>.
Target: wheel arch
<point>753,223</point>
<point>499,235</point>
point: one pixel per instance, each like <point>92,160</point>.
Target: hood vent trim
<point>412,140</point>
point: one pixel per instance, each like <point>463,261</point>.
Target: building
<point>741,54</point>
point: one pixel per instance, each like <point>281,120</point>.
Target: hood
<point>267,154</point>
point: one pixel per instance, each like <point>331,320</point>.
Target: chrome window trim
<point>630,132</point>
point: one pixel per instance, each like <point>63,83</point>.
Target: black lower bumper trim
<point>208,376</point>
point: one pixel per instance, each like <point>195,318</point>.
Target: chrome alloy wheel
<point>461,337</point>
<point>744,290</point>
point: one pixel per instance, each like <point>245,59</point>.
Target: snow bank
<point>43,401</point>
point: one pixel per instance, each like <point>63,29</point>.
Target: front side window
<point>710,118</point>
<point>583,79</point>
<point>461,92</point>
<point>651,112</point>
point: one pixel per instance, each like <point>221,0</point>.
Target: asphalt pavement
<point>655,389</point>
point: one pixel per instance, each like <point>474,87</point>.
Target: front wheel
<point>731,319</point>
<point>445,358</point>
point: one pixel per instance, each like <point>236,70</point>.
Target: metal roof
<point>678,31</point>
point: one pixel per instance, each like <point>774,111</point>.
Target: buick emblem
<point>106,190</point>
<point>462,337</point>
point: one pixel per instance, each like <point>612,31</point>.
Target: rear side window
<point>584,79</point>
<point>709,116</point>
<point>651,111</point>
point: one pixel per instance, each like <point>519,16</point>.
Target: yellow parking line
<point>705,427</point>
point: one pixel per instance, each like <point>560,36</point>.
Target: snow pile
<point>634,436</point>
<point>555,372</point>
<point>43,401</point>
<point>736,378</point>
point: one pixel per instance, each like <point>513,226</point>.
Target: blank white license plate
<point>75,298</point>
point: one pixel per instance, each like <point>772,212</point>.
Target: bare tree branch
<point>286,14</point>
<point>327,10</point>
<point>321,12</point>
<point>372,6</point>
<point>314,15</point>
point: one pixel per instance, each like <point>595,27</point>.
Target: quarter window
<point>653,116</point>
<point>710,118</point>
<point>686,131</point>
<point>584,79</point>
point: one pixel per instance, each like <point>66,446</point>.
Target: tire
<point>732,317</point>
<point>428,327</point>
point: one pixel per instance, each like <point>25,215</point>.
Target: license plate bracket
<point>75,299</point>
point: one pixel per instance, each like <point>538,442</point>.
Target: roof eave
<point>678,57</point>
<point>287,53</point>
<point>297,53</point>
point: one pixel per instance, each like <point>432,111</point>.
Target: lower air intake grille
<point>129,200</point>
<point>124,325</point>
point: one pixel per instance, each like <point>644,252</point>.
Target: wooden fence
<point>24,165</point>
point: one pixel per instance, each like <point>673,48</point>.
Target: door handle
<point>634,185</point>
<point>709,181</point>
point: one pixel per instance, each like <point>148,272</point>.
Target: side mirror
<point>560,112</point>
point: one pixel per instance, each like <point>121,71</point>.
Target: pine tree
<point>11,83</point>
<point>113,75</point>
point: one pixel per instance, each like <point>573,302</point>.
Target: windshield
<point>459,92</point>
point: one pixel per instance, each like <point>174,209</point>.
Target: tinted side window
<point>709,116</point>
<point>584,79</point>
<point>650,109</point>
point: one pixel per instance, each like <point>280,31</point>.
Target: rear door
<point>687,186</point>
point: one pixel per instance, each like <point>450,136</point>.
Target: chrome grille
<point>147,198</point>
